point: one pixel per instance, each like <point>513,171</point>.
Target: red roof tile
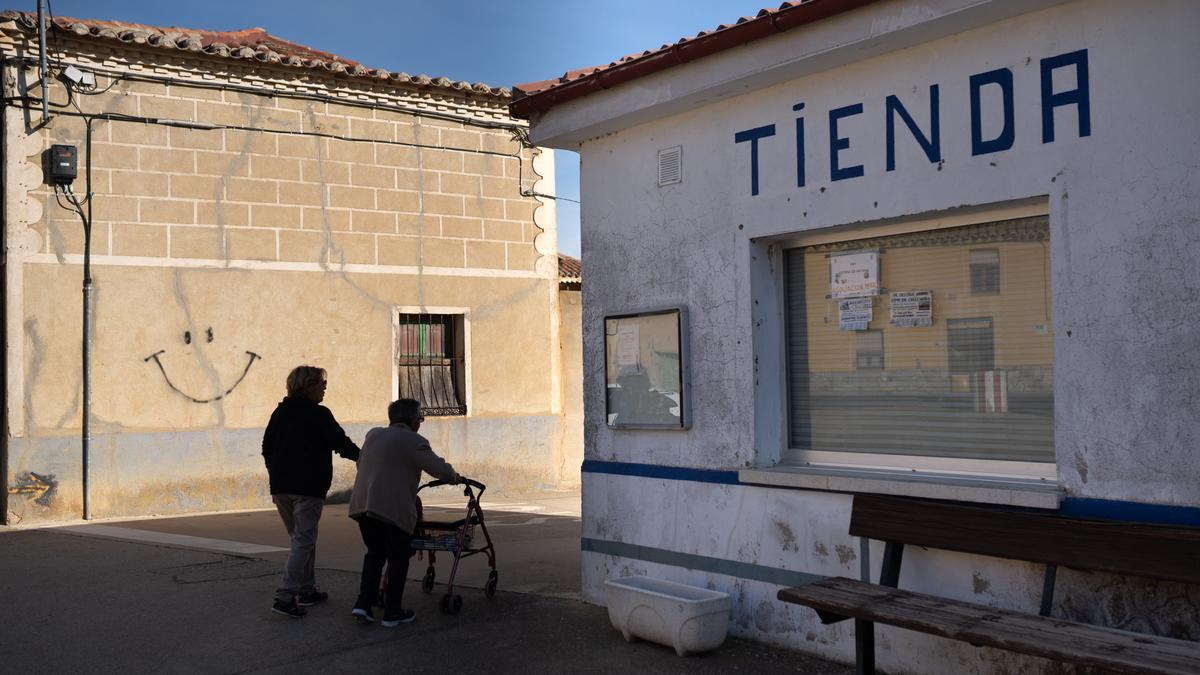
<point>252,43</point>
<point>569,269</point>
<point>533,97</point>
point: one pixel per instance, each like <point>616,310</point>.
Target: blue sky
<point>498,42</point>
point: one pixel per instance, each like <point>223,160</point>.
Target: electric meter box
<point>64,164</point>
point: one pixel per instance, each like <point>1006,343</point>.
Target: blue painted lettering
<point>932,144</point>
<point>1002,77</point>
<point>1079,96</point>
<point>837,144</point>
<point>1000,115</point>
<point>753,135</point>
<point>799,146</point>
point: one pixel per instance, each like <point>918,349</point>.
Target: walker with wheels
<point>457,537</point>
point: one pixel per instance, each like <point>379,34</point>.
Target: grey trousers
<point>300,516</point>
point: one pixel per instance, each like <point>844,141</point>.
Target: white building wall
<point>1125,246</point>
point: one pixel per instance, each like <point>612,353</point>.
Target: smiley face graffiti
<point>251,357</point>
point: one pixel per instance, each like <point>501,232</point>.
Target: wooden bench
<point>1164,552</point>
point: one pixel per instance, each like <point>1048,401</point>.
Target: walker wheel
<point>489,589</point>
<point>427,581</point>
<point>451,604</point>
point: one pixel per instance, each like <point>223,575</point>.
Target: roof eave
<point>764,25</point>
<point>171,39</point>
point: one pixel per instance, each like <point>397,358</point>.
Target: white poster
<point>628,347</point>
<point>855,313</point>
<point>912,309</point>
<point>854,274</point>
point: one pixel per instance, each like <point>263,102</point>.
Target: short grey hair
<point>303,377</point>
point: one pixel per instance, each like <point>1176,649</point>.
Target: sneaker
<point>313,597</point>
<point>292,609</point>
<point>393,620</point>
<point>362,615</point>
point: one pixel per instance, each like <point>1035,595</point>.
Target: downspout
<point>87,325</point>
<point>4,436</point>
<point>43,66</point>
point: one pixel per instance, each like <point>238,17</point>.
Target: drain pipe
<point>87,376</point>
<point>86,439</point>
<point>87,323</point>
<point>44,68</point>
<point>87,373</point>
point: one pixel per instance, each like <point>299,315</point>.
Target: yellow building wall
<point>571,311</point>
<point>292,249</point>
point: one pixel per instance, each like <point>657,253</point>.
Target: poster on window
<point>854,274</point>
<point>854,313</point>
<point>912,309</point>
<point>628,348</point>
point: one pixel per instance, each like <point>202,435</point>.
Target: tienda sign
<point>929,138</point>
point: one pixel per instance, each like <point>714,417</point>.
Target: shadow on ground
<point>81,603</point>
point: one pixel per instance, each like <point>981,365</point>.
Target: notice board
<point>646,369</point>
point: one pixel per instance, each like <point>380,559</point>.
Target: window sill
<point>1027,492</point>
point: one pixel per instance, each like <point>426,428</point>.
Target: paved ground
<point>192,594</point>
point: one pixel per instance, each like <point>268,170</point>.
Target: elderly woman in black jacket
<point>298,448</point>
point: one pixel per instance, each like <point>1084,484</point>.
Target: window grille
<point>429,360</point>
<point>985,271</point>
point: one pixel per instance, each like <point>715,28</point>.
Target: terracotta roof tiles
<point>569,269</point>
<point>251,44</point>
<point>533,97</point>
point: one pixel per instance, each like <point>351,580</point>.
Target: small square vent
<point>670,165</point>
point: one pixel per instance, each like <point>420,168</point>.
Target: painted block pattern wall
<point>276,218</point>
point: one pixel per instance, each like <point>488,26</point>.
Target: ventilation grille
<point>670,165</point>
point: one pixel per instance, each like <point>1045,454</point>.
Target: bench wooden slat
<point>1080,643</point>
<point>1155,551</point>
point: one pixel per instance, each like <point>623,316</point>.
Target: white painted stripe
<point>356,268</point>
<point>542,520</point>
<point>183,540</point>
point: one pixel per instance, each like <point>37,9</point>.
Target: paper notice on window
<point>854,313</point>
<point>854,274</point>
<point>628,347</point>
<point>912,309</point>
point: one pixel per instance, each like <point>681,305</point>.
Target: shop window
<point>966,377</point>
<point>985,271</point>
<point>429,361</point>
<point>869,355</point>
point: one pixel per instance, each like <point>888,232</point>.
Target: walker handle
<point>465,481</point>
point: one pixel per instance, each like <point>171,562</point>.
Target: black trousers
<point>389,544</point>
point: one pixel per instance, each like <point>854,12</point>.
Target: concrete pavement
<point>179,595</point>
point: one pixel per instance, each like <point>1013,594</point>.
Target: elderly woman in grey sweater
<point>384,503</point>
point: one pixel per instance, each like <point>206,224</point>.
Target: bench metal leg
<point>864,647</point>
<point>864,631</point>
<point>1048,589</point>
<point>889,571</point>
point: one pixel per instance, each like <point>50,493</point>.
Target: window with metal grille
<point>985,271</point>
<point>429,361</point>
